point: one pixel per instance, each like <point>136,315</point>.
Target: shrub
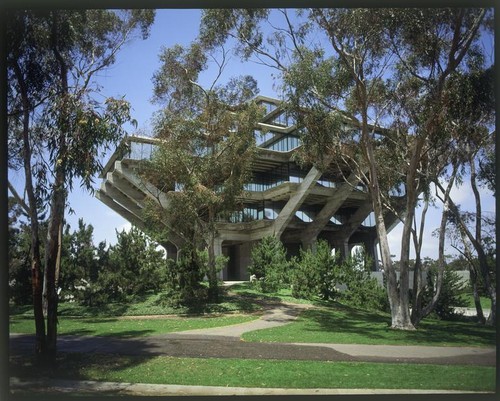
<point>270,265</point>
<point>451,295</point>
<point>183,280</point>
<point>362,290</point>
<point>315,274</point>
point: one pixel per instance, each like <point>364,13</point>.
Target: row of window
<point>140,151</point>
<point>285,144</point>
<point>259,213</point>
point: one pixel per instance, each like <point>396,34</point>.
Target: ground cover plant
<point>262,373</point>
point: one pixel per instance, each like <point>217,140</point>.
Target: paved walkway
<point>86,387</point>
<point>225,342</point>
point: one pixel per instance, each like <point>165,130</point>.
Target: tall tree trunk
<point>58,200</point>
<point>36,261</point>
<point>213,291</point>
<point>483,262</point>
<point>477,299</point>
<point>399,319</point>
<point>473,271</point>
<point>51,260</point>
<point>441,259</point>
<point>418,285</point>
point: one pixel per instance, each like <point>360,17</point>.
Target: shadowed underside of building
<point>298,205</point>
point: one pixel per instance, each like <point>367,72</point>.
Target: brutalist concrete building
<point>297,205</point>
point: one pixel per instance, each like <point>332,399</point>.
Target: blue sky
<point>131,76</point>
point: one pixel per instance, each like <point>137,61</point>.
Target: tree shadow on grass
<point>369,327</point>
<point>81,357</point>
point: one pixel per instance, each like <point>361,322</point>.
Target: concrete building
<point>298,205</point>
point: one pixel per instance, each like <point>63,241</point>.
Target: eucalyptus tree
<point>206,147</point>
<point>346,71</point>
<point>476,229</point>
<point>58,127</point>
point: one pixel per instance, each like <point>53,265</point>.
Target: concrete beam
<point>296,201</point>
<point>126,214</point>
<point>120,197</point>
<point>123,185</point>
<point>332,205</point>
<point>147,188</point>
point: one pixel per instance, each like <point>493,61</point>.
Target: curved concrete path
<point>225,342</point>
<point>274,316</point>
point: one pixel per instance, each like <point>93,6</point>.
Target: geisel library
<point>299,206</point>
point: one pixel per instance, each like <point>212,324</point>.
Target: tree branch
<point>19,200</point>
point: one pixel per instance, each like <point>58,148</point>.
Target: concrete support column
<point>371,251</point>
<point>309,243</point>
<point>295,201</point>
<point>217,252</point>
<point>342,246</point>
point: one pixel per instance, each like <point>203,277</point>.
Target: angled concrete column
<point>355,220</point>
<point>329,209</point>
<point>295,201</point>
<point>121,198</point>
<point>123,185</point>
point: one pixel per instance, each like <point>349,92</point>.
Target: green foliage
<point>316,274</point>
<point>135,267</point>
<point>452,293</point>
<point>19,240</point>
<point>362,290</point>
<point>206,151</point>
<point>183,281</point>
<point>270,265</point>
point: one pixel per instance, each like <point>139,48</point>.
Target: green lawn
<point>263,373</point>
<point>343,325</point>
<point>126,327</point>
<point>485,301</point>
<point>151,304</point>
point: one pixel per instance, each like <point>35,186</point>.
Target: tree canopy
<point>347,72</point>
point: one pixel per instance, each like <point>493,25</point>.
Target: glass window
<point>369,221</point>
<point>285,144</point>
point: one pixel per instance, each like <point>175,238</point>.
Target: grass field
<point>128,327</point>
<point>325,322</point>
<point>264,373</point>
<point>344,325</point>
<point>485,301</point>
<point>151,304</point>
